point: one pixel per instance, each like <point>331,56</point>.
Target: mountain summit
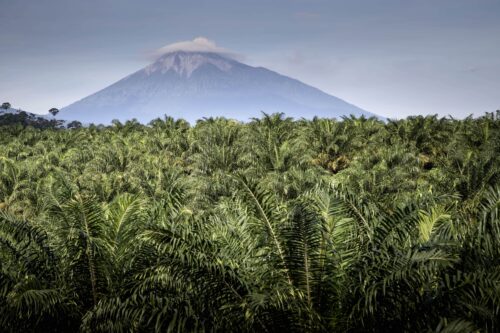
<point>185,63</point>
<point>193,85</point>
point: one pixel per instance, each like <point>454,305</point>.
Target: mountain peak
<point>198,79</point>
<point>185,63</point>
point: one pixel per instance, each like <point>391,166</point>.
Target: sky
<point>391,57</point>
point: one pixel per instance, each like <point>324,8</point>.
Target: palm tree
<point>349,225</point>
<point>33,296</point>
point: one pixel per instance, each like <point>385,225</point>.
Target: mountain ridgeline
<point>193,85</point>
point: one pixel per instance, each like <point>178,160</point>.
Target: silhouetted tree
<point>75,124</point>
<point>54,111</point>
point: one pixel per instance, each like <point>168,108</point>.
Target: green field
<point>274,225</point>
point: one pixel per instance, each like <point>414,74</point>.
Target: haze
<point>393,58</point>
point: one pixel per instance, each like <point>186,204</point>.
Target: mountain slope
<point>192,85</point>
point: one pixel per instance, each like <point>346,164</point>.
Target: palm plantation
<point>350,225</point>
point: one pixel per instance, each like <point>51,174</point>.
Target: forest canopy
<point>351,225</point>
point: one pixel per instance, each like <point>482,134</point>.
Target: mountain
<point>193,85</point>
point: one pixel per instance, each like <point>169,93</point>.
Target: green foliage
<point>24,119</point>
<point>352,226</point>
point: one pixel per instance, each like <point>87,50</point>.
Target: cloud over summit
<point>199,44</point>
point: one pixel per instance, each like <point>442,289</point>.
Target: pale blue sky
<point>390,57</point>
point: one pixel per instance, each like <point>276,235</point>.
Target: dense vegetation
<point>24,119</point>
<point>345,226</point>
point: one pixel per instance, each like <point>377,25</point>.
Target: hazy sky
<point>390,57</point>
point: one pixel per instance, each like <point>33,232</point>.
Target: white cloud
<point>199,44</point>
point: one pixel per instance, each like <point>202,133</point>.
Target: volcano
<point>194,85</point>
